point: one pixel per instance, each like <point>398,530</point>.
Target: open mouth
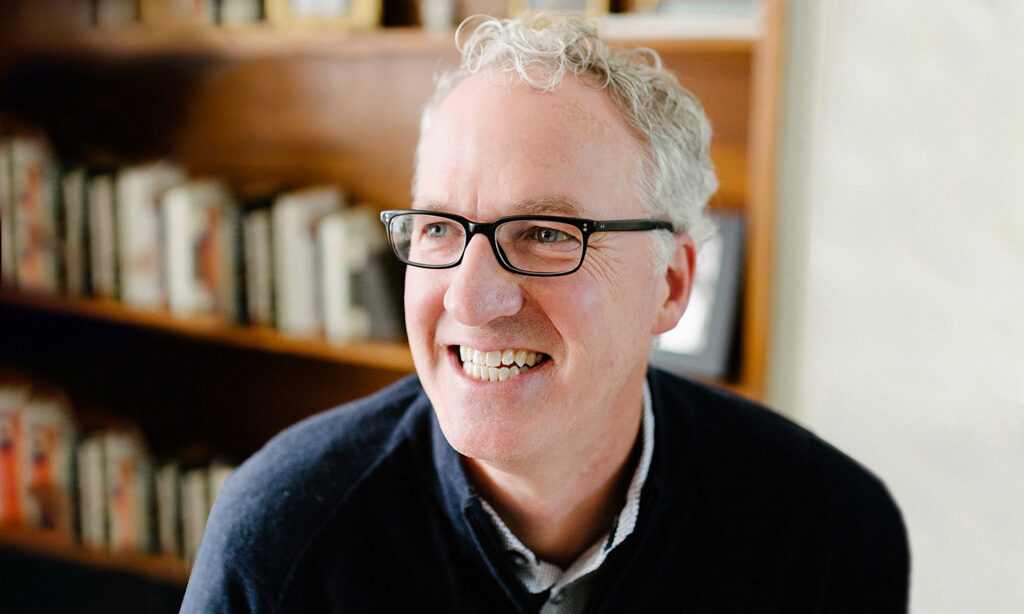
<point>498,365</point>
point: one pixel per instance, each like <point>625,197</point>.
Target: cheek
<point>580,308</point>
<point>612,314</point>
<point>423,303</point>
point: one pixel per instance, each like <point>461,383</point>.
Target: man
<point>536,463</point>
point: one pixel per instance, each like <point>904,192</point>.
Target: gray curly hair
<point>676,177</point>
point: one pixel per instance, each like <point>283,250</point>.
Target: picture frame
<point>349,14</point>
<point>700,344</point>
<point>586,8</point>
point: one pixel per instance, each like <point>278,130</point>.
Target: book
<point>195,508</point>
<point>47,478</point>
<point>92,492</point>
<point>294,217</point>
<point>200,219</point>
<point>12,454</point>
<point>36,211</point>
<point>381,290</point>
<point>177,13</point>
<point>168,508</point>
<point>116,12</point>
<point>343,248</point>
<point>128,478</point>
<point>8,255</point>
<point>677,19</point>
<point>238,12</point>
<point>139,190</point>
<point>76,232</point>
<point>259,267</point>
<point>103,253</point>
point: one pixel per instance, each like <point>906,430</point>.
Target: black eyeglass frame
<point>585,226</point>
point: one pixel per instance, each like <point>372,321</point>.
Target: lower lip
<point>457,365</point>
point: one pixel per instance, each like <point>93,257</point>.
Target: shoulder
<point>759,457</point>
<point>741,432</point>
<point>275,503</point>
<point>322,457</point>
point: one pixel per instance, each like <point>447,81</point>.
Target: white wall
<point>899,332</point>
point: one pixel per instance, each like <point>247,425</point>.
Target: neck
<point>559,506</point>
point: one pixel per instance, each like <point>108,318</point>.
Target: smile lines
<point>497,365</point>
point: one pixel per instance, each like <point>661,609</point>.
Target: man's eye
<point>543,234</point>
<point>436,230</point>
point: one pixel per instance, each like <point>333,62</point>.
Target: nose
<point>481,290</point>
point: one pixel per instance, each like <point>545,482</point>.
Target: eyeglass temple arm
<point>626,225</point>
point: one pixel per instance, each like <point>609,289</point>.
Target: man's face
<point>496,150</point>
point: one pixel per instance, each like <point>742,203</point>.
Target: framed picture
<point>588,8</point>
<point>699,345</point>
<point>356,14</point>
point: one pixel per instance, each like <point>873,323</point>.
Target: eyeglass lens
<point>537,246</point>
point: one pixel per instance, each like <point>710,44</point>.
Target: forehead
<point>503,148</point>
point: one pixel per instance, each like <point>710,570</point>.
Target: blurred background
<point>898,332</point>
<point>192,262</point>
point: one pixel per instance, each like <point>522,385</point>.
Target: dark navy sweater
<point>365,508</point>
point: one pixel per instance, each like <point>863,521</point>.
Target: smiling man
<point>535,462</point>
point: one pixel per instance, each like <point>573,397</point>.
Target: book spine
<point>75,232</point>
<point>258,268</point>
<point>207,250</point>
<point>92,507</point>
<point>238,12</point>
<point>195,507</point>
<point>128,479</point>
<point>139,191</point>
<point>12,442</point>
<point>168,508</point>
<point>294,219</point>
<point>33,180</point>
<point>8,254</point>
<point>174,13</point>
<point>232,286</point>
<point>177,214</point>
<point>343,260</point>
<point>116,12</point>
<point>103,236</point>
<point>47,463</point>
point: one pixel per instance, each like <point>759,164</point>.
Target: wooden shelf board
<point>687,45</point>
<point>243,43</point>
<point>375,354</point>
<point>60,546</point>
<point>263,41</point>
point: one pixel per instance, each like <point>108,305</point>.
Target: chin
<point>481,439</point>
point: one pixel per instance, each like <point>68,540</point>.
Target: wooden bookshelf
<point>343,108</point>
<point>271,109</point>
<point>62,547</point>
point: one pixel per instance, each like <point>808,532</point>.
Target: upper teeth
<point>497,365</point>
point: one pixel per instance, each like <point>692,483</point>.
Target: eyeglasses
<point>539,245</point>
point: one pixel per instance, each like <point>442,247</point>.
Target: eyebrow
<point>549,205</point>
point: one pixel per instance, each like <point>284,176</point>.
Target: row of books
<point>304,262</point>
<point>163,13</point>
<point>175,13</point>
<point>105,487</point>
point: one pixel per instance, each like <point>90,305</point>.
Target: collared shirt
<point>568,589</point>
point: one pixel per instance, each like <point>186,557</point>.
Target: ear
<point>679,282</point>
